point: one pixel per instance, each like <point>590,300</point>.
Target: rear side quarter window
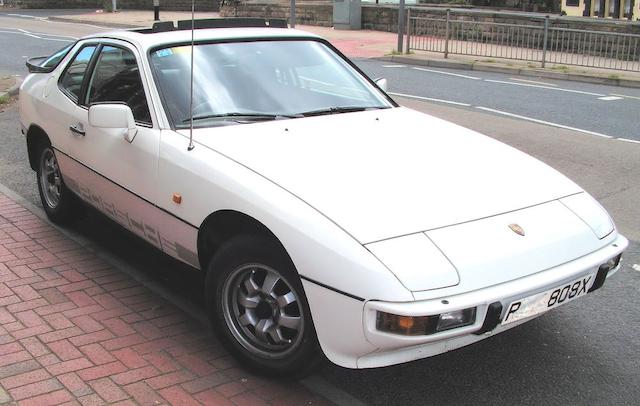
<point>73,76</point>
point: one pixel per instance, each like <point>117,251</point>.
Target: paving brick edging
<point>74,329</point>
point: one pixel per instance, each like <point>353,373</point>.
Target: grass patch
<point>393,52</point>
<point>4,98</point>
<point>614,76</point>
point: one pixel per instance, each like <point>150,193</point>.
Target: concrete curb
<point>15,89</point>
<point>512,70</point>
<point>91,22</point>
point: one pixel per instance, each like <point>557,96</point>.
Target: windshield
<point>260,80</point>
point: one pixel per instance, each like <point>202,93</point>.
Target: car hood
<point>385,173</point>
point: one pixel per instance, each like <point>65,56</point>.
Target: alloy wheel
<point>50,178</point>
<point>263,311</point>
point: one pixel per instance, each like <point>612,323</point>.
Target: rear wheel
<point>258,307</point>
<point>58,202</point>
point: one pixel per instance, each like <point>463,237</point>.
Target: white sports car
<point>329,220</point>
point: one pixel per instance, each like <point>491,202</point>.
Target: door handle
<point>77,129</point>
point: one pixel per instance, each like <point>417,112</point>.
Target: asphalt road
<point>583,353</point>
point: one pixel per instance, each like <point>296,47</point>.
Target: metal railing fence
<point>535,43</point>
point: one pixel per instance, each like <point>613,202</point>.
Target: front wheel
<point>58,202</point>
<point>258,307</point>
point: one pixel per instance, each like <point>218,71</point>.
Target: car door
<point>116,175</point>
<point>59,107</point>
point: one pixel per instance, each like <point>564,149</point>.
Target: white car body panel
<point>366,171</point>
<point>387,210</point>
<point>486,252</point>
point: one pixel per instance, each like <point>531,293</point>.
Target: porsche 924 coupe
<point>328,219</point>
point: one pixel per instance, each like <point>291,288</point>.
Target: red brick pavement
<point>75,330</point>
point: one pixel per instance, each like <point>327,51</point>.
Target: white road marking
<point>628,140</point>
<point>53,35</point>
<point>545,87</point>
<point>533,81</point>
<point>410,96</point>
<point>535,120</point>
<point>610,98</point>
<point>636,267</point>
<point>40,35</point>
<point>23,15</point>
<point>625,96</point>
<point>394,66</point>
<point>447,73</point>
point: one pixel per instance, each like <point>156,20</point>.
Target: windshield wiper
<point>337,110</point>
<point>258,116</point>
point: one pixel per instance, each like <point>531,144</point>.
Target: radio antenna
<point>191,146</point>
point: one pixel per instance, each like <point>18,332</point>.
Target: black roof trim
<point>232,22</point>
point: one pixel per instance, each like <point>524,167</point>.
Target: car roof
<point>149,40</point>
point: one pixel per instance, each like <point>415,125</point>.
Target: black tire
<point>66,206</point>
<point>232,264</point>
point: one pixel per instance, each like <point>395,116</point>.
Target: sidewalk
<point>76,330</point>
<point>381,45</point>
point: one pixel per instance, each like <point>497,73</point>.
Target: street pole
<point>114,5</point>
<point>292,20</point>
<point>400,25</point>
<point>156,10</point>
<point>545,40</point>
<point>446,35</point>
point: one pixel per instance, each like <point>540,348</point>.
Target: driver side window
<point>116,78</point>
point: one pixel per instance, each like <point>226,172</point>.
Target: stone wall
<point>173,5</point>
<point>184,5</point>
<point>93,4</point>
<point>307,12</point>
<point>385,17</point>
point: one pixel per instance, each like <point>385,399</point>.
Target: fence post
<point>408,46</point>
<point>545,39</point>
<point>400,25</point>
<point>446,35</point>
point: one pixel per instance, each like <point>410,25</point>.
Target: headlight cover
<point>591,212</point>
<point>416,262</point>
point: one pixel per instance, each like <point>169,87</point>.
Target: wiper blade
<point>263,116</point>
<point>337,110</point>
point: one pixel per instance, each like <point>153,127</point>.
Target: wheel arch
<point>35,136</point>
<point>222,225</point>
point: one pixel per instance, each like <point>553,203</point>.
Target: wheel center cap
<point>266,309</point>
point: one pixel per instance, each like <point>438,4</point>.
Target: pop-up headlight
<point>590,211</point>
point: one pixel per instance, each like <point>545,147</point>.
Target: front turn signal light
<point>424,325</point>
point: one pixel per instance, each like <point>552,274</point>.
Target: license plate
<point>541,302</point>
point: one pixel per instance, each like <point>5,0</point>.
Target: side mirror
<point>34,65</point>
<point>114,116</point>
<point>382,83</point>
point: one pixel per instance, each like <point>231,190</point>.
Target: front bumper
<point>393,348</point>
